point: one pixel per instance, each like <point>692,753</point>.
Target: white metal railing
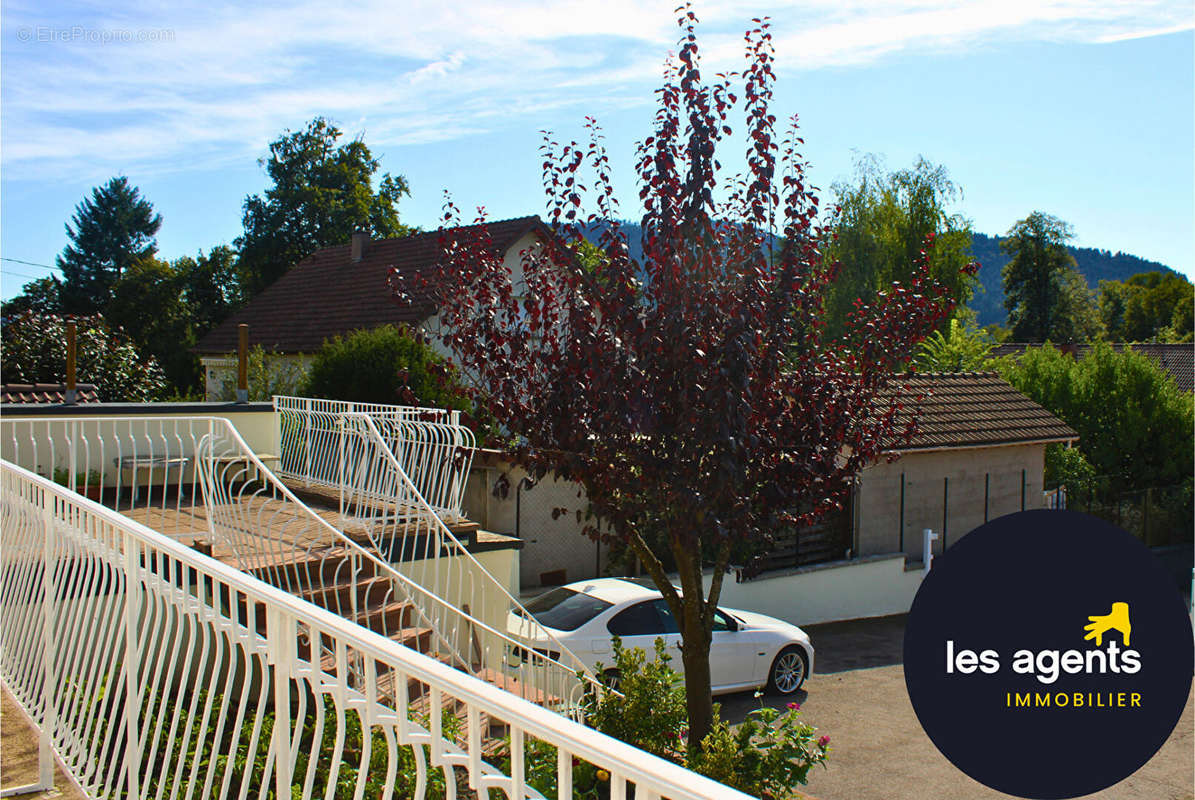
<point>430,444</point>
<point>377,494</point>
<point>153,670</point>
<point>409,579</point>
<point>143,466</point>
<point>218,488</point>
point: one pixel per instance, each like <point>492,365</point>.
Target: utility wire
<point>30,263</point>
<point>21,274</point>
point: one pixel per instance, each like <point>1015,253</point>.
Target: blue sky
<point>1081,108</point>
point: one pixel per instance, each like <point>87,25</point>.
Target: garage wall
<point>960,475</point>
<point>840,590</point>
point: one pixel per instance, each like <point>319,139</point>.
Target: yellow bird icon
<point>1117,619</point>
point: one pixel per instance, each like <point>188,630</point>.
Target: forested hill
<point>1096,265</point>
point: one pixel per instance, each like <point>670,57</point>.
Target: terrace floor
<point>272,529</point>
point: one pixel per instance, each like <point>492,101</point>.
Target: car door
<point>733,653</point>
<point>639,625</point>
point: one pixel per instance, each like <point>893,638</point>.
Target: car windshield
<point>565,609</point>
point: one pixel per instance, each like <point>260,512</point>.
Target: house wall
<point>286,371</point>
<point>960,475</point>
<point>549,544</point>
<point>840,590</point>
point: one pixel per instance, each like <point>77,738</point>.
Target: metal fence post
<point>307,441</point>
<point>49,721</point>
<point>132,706</point>
<point>281,636</point>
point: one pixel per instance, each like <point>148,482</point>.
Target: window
<point>723,621</point>
<point>640,619</point>
<point>666,617</point>
<point>565,609</point>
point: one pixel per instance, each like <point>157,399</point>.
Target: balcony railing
<point>430,445</point>
<point>152,670</point>
<point>403,576</point>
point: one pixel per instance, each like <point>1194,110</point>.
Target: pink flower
<point>823,742</point>
<point>794,706</point>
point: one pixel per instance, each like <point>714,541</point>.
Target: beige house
<point>337,290</point>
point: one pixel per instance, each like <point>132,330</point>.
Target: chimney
<point>360,245</point>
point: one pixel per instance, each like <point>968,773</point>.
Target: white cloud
<point>225,80</point>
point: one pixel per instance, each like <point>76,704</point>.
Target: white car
<point>748,650</point>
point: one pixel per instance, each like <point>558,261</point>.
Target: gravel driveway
<point>880,752</point>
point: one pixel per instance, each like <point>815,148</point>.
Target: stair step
<point>338,597</point>
<point>395,615</point>
<point>515,686</point>
<point>320,568</point>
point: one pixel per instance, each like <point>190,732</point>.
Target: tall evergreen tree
<point>322,192</point>
<point>1044,294</point>
<point>109,232</point>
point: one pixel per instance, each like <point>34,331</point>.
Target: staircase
<point>370,549</point>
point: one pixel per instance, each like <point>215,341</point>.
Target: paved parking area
<point>879,751</point>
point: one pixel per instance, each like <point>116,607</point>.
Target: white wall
<point>840,590</point>
<point>548,544</point>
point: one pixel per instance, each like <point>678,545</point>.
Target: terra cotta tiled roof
<point>1176,359</point>
<point>28,393</point>
<point>327,294</point>
<point>975,409</point>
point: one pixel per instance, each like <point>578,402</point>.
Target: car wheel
<point>789,670</point>
<point>612,679</point>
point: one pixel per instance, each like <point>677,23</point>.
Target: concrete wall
<point>840,590</point>
<point>961,476</point>
<point>549,544</point>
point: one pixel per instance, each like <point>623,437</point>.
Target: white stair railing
<point>378,495</point>
<point>153,670</point>
<point>195,477</point>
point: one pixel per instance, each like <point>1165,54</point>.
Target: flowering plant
<point>768,755</point>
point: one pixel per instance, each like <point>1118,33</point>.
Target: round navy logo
<point>1048,654</point>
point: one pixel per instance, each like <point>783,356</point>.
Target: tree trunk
<point>695,654</point>
<point>695,619</point>
<point>696,637</point>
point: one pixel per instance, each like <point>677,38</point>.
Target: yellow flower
<point>602,775</point>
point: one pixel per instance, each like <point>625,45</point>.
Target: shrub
<point>34,351</point>
<point>1134,424</point>
<point>768,755</point>
<point>385,365</point>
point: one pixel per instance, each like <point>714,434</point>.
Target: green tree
<point>211,286</point>
<point>1044,294</point>
<point>962,349</point>
<point>148,304</point>
<point>322,192</point>
<point>35,351</point>
<point>40,296</point>
<point>385,365</point>
<point>1148,306</point>
<point>879,229</point>
<point>109,232</point>
<point>1134,423</point>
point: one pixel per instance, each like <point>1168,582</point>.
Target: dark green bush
<point>385,365</point>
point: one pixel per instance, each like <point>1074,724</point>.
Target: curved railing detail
<point>152,670</point>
